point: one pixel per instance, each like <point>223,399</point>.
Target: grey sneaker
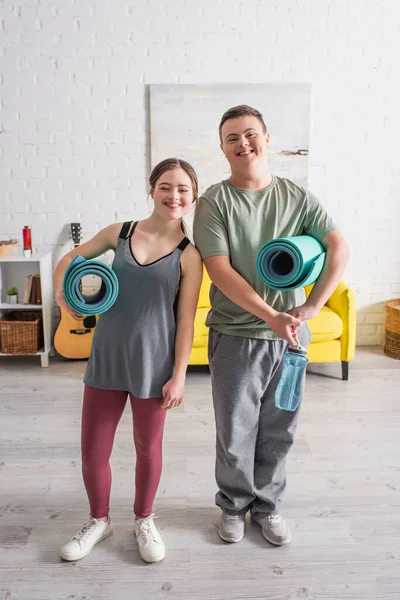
<point>231,527</point>
<point>275,530</point>
<point>91,534</point>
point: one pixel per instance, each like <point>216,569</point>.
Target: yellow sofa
<point>333,330</point>
<point>199,354</point>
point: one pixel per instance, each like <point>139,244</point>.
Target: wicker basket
<point>392,328</point>
<point>6,246</point>
<point>21,332</point>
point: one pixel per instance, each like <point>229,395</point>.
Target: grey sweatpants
<point>253,437</point>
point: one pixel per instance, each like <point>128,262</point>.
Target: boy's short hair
<point>240,111</point>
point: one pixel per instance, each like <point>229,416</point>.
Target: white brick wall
<point>74,125</point>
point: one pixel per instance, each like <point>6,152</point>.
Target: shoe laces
<point>147,529</point>
<point>274,519</point>
<point>87,530</point>
<point>231,517</point>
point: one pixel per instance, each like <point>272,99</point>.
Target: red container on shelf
<point>27,235</point>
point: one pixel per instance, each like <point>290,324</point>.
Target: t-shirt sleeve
<point>209,230</point>
<point>318,223</point>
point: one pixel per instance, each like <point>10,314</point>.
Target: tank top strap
<point>124,230</point>
<point>183,244</point>
<point>133,228</point>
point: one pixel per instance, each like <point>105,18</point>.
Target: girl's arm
<point>105,240</point>
<point>192,275</point>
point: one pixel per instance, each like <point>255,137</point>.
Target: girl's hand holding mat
<point>63,304</point>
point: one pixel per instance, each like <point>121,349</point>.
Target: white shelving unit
<point>14,270</point>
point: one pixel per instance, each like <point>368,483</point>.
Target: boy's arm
<point>211,237</point>
<point>236,288</point>
<point>337,257</point>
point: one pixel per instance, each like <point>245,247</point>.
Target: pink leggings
<point>101,413</point>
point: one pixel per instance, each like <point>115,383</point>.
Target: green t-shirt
<point>236,223</point>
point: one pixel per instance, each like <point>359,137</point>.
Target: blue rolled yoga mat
<point>89,304</point>
<point>290,263</point>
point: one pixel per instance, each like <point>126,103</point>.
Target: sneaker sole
<point>230,540</point>
<point>71,557</point>
<point>275,543</point>
<point>153,559</point>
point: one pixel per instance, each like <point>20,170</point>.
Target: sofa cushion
<point>327,325</point>
<point>200,329</point>
<point>204,297</point>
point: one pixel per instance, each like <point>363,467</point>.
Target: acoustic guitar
<point>74,335</point>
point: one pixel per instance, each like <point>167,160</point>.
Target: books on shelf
<point>32,293</point>
<point>27,292</point>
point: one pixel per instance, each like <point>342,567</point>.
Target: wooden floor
<point>342,502</point>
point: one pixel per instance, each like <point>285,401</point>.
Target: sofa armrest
<point>343,302</point>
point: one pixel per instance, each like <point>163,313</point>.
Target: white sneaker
<point>91,534</point>
<point>151,546</point>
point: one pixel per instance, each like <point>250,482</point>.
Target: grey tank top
<point>134,341</point>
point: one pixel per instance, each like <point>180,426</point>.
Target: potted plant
<point>12,295</point>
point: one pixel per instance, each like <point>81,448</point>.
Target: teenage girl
<point>140,350</point>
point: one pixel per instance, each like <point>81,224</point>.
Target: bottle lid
<point>298,349</point>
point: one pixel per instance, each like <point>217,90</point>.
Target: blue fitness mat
<point>290,263</point>
<point>89,304</point>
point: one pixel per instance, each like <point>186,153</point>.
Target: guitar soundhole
<point>89,322</point>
